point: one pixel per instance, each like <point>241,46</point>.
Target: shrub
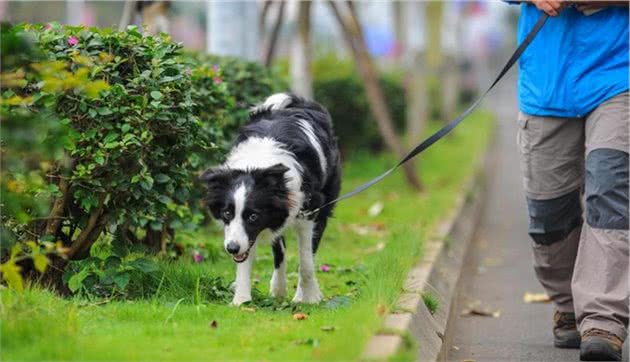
<point>338,87</point>
<point>131,140</point>
<point>104,133</point>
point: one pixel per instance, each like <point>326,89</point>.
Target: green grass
<point>431,301</point>
<point>368,257</point>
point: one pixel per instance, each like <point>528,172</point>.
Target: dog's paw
<point>278,287</point>
<point>240,299</point>
<point>278,290</point>
<point>310,295</point>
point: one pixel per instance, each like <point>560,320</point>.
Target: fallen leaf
<point>214,324</point>
<point>536,298</point>
<point>299,316</point>
<point>380,309</point>
<point>455,348</point>
<point>248,309</point>
<point>478,312</point>
<point>376,209</point>
<point>327,328</point>
<point>468,360</point>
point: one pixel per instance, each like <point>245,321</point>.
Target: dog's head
<point>248,203</point>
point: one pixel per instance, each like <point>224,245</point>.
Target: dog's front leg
<point>308,288</point>
<point>278,286</point>
<point>243,289</point>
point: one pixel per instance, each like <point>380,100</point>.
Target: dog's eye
<point>227,214</point>
<point>252,218</point>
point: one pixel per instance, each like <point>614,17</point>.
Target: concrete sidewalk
<point>499,270</point>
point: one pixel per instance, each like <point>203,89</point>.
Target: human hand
<point>551,7</point>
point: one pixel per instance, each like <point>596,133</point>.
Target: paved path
<point>499,269</point>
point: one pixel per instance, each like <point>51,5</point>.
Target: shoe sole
<point>567,344</point>
<point>571,341</point>
<point>599,350</point>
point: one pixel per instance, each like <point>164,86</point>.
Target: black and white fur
<point>284,161</point>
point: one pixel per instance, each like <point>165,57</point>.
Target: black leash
<point>447,128</point>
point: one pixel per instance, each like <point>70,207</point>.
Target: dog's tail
<point>280,101</point>
<point>274,102</point>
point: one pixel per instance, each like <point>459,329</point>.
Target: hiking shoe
<point>565,333</point>
<point>600,345</point>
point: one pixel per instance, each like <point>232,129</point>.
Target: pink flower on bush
<point>47,26</point>
<point>217,80</point>
<point>72,41</point>
<point>197,257</point>
<point>325,268</point>
<point>215,68</point>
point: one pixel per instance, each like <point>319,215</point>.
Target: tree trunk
<point>416,99</point>
<point>56,212</point>
<point>301,77</point>
<point>156,240</point>
<point>354,37</point>
<point>416,70</point>
<point>89,233</point>
<point>272,41</point>
<point>125,18</point>
<point>434,50</point>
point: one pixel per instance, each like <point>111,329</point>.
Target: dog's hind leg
<point>279,278</point>
<point>243,289</point>
<point>308,288</point>
<point>318,232</point>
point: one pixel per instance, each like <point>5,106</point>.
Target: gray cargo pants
<point>580,258</point>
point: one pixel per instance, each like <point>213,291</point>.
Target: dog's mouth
<point>242,257</point>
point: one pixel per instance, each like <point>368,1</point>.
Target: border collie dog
<point>284,163</point>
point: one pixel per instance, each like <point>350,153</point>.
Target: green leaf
<point>125,128</point>
<point>156,225</point>
<point>68,144</point>
<point>76,281</point>
<point>122,279</point>
<point>111,136</point>
<point>156,95</point>
<point>104,111</point>
<point>112,262</point>
<point>41,262</point>
<point>99,159</point>
<point>11,274</point>
<point>161,178</point>
<point>111,145</point>
<point>165,199</point>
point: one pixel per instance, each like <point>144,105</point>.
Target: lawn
<point>367,256</point>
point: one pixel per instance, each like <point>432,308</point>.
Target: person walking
<point>573,146</point>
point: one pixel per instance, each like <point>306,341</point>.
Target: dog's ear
<point>270,176</point>
<point>215,175</point>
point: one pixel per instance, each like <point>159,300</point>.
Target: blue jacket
<point>575,63</point>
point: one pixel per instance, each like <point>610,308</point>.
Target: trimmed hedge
<point>120,124</point>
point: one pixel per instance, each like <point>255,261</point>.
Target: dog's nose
<point>232,248</point>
